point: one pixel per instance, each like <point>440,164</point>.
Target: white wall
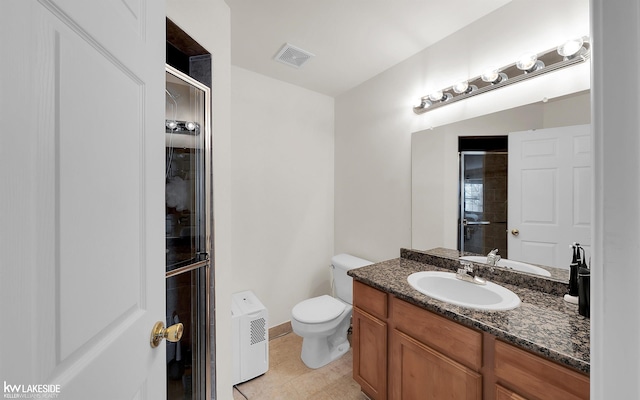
<point>434,198</point>
<point>374,121</point>
<point>209,23</point>
<point>282,191</point>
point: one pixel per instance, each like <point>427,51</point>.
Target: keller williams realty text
<point>8,388</point>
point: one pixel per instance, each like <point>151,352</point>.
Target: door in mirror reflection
<point>549,194</point>
<point>483,202</point>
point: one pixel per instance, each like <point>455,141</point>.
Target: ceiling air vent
<point>293,56</point>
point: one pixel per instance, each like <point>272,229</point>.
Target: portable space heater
<point>250,337</point>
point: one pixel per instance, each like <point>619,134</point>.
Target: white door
<point>549,194</point>
<point>82,203</point>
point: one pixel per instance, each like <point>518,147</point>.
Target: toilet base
<point>326,341</point>
<point>316,352</point>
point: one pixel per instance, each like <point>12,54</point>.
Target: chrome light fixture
<point>182,127</point>
<point>527,66</point>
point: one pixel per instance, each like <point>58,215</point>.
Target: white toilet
<point>323,321</point>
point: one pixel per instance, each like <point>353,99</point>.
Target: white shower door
<point>82,206</point>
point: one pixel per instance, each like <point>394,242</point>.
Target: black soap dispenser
<point>573,270</point>
<point>572,296</point>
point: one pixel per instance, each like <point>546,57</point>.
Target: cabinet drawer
<point>458,342</point>
<point>535,377</point>
<point>370,300</point>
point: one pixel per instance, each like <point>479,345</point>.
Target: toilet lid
<point>318,309</point>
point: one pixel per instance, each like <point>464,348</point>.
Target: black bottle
<point>584,284</point>
<point>573,271</point>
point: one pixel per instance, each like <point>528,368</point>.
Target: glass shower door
<point>483,202</point>
<point>188,222</point>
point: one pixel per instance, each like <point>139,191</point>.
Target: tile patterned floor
<point>289,379</point>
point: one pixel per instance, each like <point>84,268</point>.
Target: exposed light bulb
<point>424,103</point>
<point>190,125</point>
<point>171,124</point>
<point>491,75</point>
<point>526,61</point>
<point>571,47</point>
<point>529,62</point>
<point>461,87</point>
<point>436,96</point>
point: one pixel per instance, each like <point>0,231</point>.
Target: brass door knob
<point>515,232</point>
<point>172,333</point>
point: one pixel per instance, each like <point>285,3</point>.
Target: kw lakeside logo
<point>12,391</point>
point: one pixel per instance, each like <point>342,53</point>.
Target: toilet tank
<point>342,282</point>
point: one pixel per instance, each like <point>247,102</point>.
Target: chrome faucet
<point>493,257</point>
<point>465,274</point>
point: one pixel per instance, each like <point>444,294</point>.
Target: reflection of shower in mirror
<point>171,124</point>
<point>177,193</point>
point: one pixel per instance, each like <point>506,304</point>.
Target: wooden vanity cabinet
<point>429,356</point>
<point>369,340</point>
<point>404,352</point>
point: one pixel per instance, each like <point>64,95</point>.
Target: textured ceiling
<point>352,40</point>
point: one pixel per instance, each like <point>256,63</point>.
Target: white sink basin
<point>510,264</point>
<point>444,286</point>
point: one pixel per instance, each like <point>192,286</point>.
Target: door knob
<point>172,333</point>
<point>515,232</point>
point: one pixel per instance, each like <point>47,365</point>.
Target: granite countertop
<point>544,323</point>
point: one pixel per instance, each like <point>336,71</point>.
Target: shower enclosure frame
<point>204,261</point>
<point>463,223</point>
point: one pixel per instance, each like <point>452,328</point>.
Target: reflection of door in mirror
<point>549,194</point>
<point>483,194</point>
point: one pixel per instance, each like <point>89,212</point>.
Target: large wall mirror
<point>436,178</point>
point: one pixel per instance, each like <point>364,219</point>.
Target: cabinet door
<point>370,354</point>
<point>417,372</point>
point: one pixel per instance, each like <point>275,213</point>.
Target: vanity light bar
<point>182,127</point>
<point>548,61</point>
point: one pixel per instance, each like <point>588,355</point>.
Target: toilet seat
<point>318,309</point>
